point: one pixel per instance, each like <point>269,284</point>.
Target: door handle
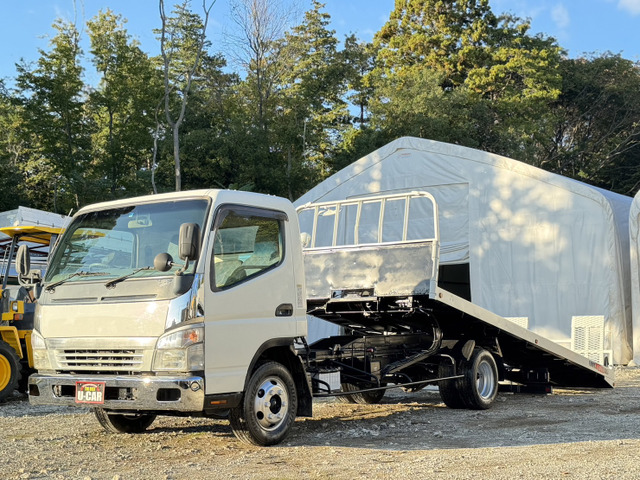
<point>284,310</point>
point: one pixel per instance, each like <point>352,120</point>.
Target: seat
<point>224,270</point>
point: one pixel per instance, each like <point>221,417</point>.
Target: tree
<point>56,124</point>
<point>182,43</point>
<point>122,107</point>
<point>495,69</point>
<point>207,135</point>
<point>13,151</point>
<point>447,36</point>
<point>256,46</point>
<point>314,111</point>
<point>357,59</point>
<point>596,128</point>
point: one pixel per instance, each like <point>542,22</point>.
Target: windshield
<point>114,242</point>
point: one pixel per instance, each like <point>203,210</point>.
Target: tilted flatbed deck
<point>526,349</point>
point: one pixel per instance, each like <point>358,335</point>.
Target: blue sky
<point>580,26</point>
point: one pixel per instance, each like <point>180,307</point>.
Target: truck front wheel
<point>9,370</point>
<point>268,407</point>
<point>123,423</point>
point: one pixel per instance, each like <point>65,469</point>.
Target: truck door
<point>251,293</point>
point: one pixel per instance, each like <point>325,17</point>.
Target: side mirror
<point>189,242</point>
<point>163,262</point>
<point>23,260</point>
<point>26,276</point>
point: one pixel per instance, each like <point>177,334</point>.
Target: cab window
<point>247,243</point>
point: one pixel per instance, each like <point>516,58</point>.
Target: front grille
<point>116,360</point>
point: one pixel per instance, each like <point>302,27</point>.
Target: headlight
<point>181,338</point>
<point>180,351</point>
<point>41,359</point>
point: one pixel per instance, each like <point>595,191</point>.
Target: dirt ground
<point>574,434</point>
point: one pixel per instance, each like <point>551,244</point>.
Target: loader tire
<point>25,372</point>
<point>268,408</point>
<point>361,398</point>
<point>10,370</point>
<point>122,422</point>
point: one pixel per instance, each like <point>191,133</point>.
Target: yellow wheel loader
<point>17,303</point>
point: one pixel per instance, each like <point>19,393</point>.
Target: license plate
<point>90,392</point>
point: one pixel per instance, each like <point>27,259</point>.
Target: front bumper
<point>144,393</point>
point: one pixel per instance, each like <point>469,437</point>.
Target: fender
<point>283,352</point>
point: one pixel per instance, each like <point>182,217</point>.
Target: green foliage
<point>13,150</point>
<point>122,109</point>
<point>455,72</point>
<point>182,44</point>
<point>314,111</point>
<point>303,104</point>
<point>59,128</point>
<point>357,61</point>
<point>596,128</point>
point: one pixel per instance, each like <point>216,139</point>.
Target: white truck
<point>197,303</point>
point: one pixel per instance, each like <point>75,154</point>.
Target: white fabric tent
<point>538,245</point>
<point>634,233</point>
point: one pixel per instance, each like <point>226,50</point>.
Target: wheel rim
<point>5,372</point>
<point>485,380</point>
<point>271,403</point>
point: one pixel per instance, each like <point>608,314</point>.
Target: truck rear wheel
<point>10,367</point>
<point>478,387</point>
<point>268,407</point>
<point>123,422</point>
<point>450,390</point>
<point>361,398</point>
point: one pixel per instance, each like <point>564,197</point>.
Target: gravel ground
<point>574,434</point>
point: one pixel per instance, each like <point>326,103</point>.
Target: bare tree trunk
<point>154,164</point>
<point>175,124</point>
<point>289,165</point>
<point>176,155</point>
<point>261,23</point>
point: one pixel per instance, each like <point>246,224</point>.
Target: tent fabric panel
<point>634,234</point>
<point>549,262</point>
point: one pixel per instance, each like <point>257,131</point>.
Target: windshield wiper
<point>52,287</point>
<point>112,283</point>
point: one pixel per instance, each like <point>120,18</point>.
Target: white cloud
<point>631,6</point>
<point>560,15</point>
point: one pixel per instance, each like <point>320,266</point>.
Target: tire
<point>10,370</point>
<point>480,381</point>
<point>450,390</point>
<point>478,387</point>
<point>268,408</point>
<point>362,398</point>
<point>23,382</point>
<point>122,422</point>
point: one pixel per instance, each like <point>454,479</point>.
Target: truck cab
<point>170,304</point>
